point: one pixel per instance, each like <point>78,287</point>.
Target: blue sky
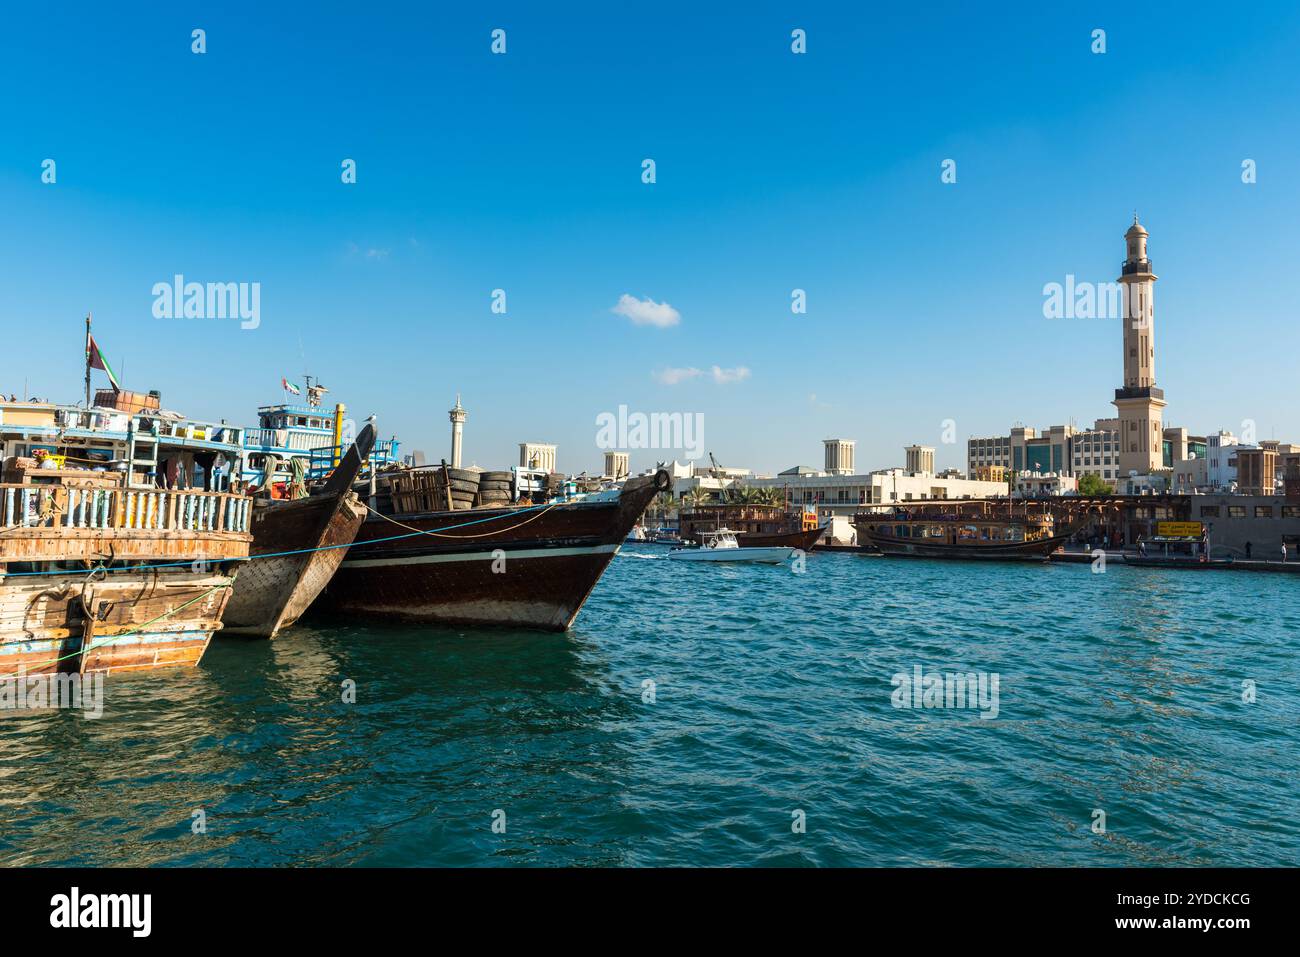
<point>775,171</point>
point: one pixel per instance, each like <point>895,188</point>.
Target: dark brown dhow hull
<point>977,550</point>
<point>520,567</point>
<point>297,548</point>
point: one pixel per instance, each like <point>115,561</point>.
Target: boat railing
<point>74,507</point>
<point>117,421</point>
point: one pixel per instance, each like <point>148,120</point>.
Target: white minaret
<point>1139,402</point>
<point>457,415</point>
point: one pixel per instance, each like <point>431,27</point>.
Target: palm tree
<point>696,497</point>
<point>662,504</point>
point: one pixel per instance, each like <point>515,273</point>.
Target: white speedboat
<point>637,535</point>
<point>721,546</point>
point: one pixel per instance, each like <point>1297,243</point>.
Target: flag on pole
<point>288,386</point>
<point>95,360</point>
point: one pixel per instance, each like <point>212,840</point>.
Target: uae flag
<point>288,386</point>
<point>95,360</point>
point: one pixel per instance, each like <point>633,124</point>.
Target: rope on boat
<point>307,551</point>
<point>498,531</point>
<point>125,634</point>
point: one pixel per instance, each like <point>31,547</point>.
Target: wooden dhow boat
<point>959,528</point>
<point>297,547</point>
<point>99,576</point>
<point>527,563</point>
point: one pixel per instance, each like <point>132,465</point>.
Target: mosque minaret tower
<point>1139,402</point>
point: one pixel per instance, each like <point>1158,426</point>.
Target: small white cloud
<point>376,253</point>
<point>728,376</point>
<point>671,376</point>
<point>647,312</point>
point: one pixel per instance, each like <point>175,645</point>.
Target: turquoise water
<point>1120,692</point>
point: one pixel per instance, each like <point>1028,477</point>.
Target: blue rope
<point>299,551</point>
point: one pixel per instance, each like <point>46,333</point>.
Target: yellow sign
<point>1178,529</point>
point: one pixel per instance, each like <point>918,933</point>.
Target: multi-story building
<point>1256,470</point>
<point>1095,451</point>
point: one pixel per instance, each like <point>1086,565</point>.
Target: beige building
<point>1256,470</point>
<point>616,465</point>
<point>920,459</point>
<point>839,456</point>
<point>537,455</point>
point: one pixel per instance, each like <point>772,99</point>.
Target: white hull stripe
<point>483,556</point>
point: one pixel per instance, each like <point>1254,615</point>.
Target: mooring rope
<point>321,548</point>
<point>499,531</point>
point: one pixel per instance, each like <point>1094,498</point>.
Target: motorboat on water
<point>721,545</point>
<point>637,535</point>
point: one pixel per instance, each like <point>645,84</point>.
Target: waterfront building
<point>839,456</point>
<point>457,416</point>
<point>1044,485</point>
<point>841,495</point>
<point>1256,470</point>
<point>537,455</point>
<point>1062,449</point>
<point>1095,451</point>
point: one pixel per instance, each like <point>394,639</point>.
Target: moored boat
<point>521,564</point>
<point>804,540</point>
<point>98,576</point>
<point>297,547</point>
<point>964,529</point>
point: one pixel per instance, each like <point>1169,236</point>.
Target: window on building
<point>1263,511</point>
<point>1236,511</point>
<point>1209,511</point>
<point>1291,511</point>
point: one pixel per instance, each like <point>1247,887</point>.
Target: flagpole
<point>87,361</point>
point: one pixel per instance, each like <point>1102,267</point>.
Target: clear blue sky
<point>775,171</point>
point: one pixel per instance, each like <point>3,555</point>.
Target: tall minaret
<point>1139,402</point>
<point>457,424</point>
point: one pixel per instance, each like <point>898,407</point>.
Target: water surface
<point>771,694</point>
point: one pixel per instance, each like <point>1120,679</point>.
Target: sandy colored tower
<point>1139,402</point>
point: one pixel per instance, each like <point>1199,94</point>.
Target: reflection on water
<point>771,693</point>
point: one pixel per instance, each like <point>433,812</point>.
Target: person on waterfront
<point>1284,553</point>
<point>1248,547</point>
<point>1142,548</point>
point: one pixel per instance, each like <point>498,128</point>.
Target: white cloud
<point>728,376</point>
<point>672,376</point>
<point>647,312</point>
